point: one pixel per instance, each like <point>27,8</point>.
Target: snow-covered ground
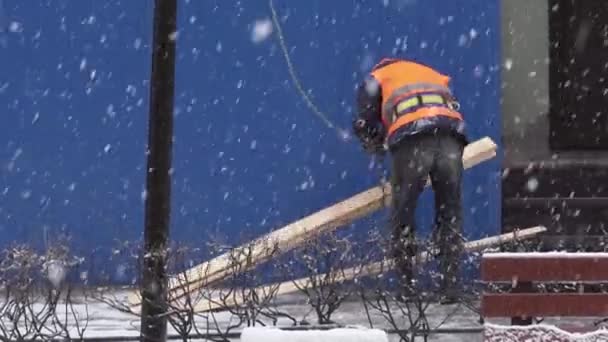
<point>104,321</point>
<point>350,334</point>
<point>454,323</point>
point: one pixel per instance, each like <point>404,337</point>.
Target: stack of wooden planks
<point>297,233</point>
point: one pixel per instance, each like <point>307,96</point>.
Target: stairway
<point>569,198</point>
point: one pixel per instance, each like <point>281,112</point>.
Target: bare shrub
<point>244,293</point>
<point>323,270</point>
<point>38,302</point>
<point>404,306</point>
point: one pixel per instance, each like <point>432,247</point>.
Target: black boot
<point>450,289</point>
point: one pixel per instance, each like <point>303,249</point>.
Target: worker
<point>408,109</point>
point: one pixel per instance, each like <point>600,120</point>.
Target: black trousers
<point>438,155</point>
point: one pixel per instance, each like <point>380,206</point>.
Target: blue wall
<point>249,156</point>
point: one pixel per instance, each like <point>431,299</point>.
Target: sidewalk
<point>102,321</point>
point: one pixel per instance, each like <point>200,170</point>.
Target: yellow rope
<point>296,81</point>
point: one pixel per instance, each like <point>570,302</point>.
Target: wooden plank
<point>544,305</point>
<point>367,270</point>
<point>544,266</point>
<point>296,233</point>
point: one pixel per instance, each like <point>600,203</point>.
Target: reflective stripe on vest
<point>421,113</point>
<point>401,93</point>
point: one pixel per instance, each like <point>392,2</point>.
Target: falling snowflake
<point>478,71</point>
<point>110,111</point>
<point>462,40</point>
<point>532,184</point>
<point>25,194</point>
<point>15,27</point>
<point>473,33</point>
<point>261,30</point>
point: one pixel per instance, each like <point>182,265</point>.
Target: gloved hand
<point>372,138</point>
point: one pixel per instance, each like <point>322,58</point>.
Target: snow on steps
<point>553,254</point>
<point>539,333</point>
<point>355,334</point>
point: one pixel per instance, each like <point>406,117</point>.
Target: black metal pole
<point>158,178</point>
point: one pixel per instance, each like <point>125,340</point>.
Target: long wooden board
<point>367,270</point>
<point>296,233</point>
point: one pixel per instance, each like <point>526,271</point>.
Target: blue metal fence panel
<point>249,155</point>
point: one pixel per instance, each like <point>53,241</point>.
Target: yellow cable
<point>343,134</point>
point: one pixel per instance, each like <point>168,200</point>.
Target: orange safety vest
<point>403,81</point>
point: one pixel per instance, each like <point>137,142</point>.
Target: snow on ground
<point>540,333</point>
<point>553,254</point>
<point>105,322</point>
<point>354,334</point>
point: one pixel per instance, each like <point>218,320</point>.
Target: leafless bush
<point>37,301</point>
<point>115,297</point>
<point>244,293</point>
<point>201,310</point>
<point>189,313</point>
<point>329,264</point>
<point>181,310</point>
<point>404,305</point>
<point>181,314</point>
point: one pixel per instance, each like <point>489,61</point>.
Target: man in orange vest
<point>408,109</point>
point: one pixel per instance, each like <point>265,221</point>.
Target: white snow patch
<point>332,335</point>
<point>592,255</point>
<point>539,332</point>
<point>261,30</point>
